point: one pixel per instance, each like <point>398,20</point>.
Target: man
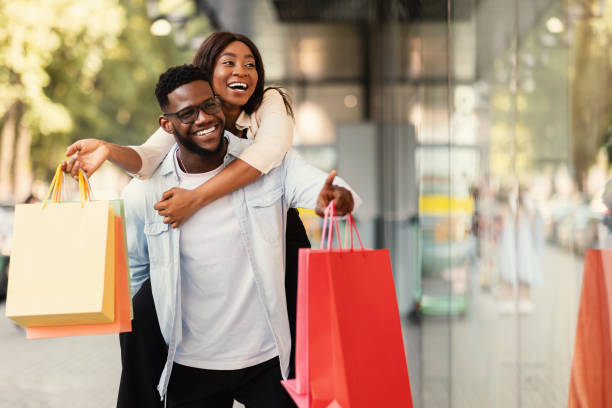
<point>217,282</point>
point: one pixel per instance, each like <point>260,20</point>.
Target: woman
<point>251,112</point>
<point>238,80</point>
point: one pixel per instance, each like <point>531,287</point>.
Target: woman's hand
<point>177,205</point>
<point>342,198</point>
<point>87,154</point>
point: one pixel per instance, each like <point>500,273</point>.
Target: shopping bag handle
<point>56,188</point>
<point>84,188</point>
<point>330,221</point>
<point>351,225</point>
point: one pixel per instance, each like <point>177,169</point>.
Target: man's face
<point>204,135</point>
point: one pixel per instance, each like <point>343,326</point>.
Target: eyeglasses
<point>189,114</point>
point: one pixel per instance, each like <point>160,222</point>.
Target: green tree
<point>120,106</point>
<point>72,69</point>
<point>591,73</point>
<point>33,35</point>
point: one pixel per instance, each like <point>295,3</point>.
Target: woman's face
<point>235,75</point>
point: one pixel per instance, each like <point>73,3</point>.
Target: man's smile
<point>204,132</point>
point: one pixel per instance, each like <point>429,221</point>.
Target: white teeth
<point>205,131</point>
<point>238,85</point>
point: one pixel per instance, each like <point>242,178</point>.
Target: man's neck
<point>191,162</point>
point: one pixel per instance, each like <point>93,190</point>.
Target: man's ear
<point>164,122</point>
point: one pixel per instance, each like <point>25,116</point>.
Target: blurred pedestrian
<point>530,243</point>
<point>31,199</point>
<point>520,245</point>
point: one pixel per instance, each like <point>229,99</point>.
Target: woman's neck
<point>231,115</point>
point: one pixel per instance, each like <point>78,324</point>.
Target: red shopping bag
<point>349,345</point>
<point>591,377</point>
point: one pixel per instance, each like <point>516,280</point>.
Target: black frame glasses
<point>189,114</point>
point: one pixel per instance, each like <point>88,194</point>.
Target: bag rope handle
<point>324,229</point>
<point>329,222</point>
<point>352,225</point>
<point>54,194</point>
<point>84,188</point>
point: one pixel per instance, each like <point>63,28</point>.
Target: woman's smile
<point>235,74</point>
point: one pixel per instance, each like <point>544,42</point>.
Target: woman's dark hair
<point>210,49</point>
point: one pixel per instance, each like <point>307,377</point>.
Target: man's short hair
<point>176,77</point>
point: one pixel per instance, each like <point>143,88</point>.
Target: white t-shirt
<point>224,323</point>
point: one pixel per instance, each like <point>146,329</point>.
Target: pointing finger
<point>330,178</point>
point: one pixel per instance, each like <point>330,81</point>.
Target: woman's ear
<point>164,122</point>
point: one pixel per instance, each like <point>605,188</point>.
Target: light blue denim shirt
<point>261,208</point>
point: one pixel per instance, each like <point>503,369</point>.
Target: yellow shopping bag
<point>62,261</point>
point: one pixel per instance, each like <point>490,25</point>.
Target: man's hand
<point>87,154</point>
<point>342,198</point>
<point>177,205</point>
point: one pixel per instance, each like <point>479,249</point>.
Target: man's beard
<point>194,148</point>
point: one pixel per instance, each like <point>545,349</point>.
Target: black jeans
<point>144,351</point>
<point>256,387</point>
<point>143,355</point>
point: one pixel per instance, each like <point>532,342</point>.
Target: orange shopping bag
<point>591,377</point>
<point>349,344</point>
<point>123,302</point>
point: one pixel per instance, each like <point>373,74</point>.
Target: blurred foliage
<point>34,34</point>
<point>560,110</point>
<point>79,69</point>
<point>528,128</point>
<point>591,74</point>
<point>180,7</point>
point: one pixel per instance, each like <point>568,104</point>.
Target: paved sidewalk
<point>492,358</point>
<point>487,358</point>
<point>80,372</point>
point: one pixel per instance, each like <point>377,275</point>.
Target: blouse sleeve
<point>274,136</point>
<point>153,151</point>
